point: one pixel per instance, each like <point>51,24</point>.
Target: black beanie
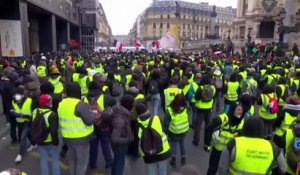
<point>141,109</point>
<point>127,102</point>
<point>73,90</point>
<point>47,88</point>
<point>253,127</point>
<point>94,86</point>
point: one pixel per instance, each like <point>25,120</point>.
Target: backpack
<point>153,87</point>
<point>293,154</point>
<point>39,130</point>
<point>116,89</point>
<point>207,93</point>
<point>272,105</point>
<point>151,141</point>
<point>191,92</point>
<point>219,82</point>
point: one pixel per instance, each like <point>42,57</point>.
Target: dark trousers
<point>13,129</point>
<point>119,159</point>
<point>106,149</point>
<point>201,115</point>
<point>214,162</point>
<point>133,148</point>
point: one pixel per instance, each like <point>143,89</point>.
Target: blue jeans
<point>106,149</point>
<point>174,144</point>
<point>46,152</point>
<point>158,168</point>
<point>24,141</point>
<point>155,102</point>
<point>118,166</point>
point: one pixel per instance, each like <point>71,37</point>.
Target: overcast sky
<point>121,14</point>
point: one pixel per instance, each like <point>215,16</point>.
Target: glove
<point>207,148</point>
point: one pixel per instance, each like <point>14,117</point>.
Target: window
<point>189,26</point>
<point>161,25</point>
<point>168,25</point>
<point>161,17</point>
<point>160,33</point>
<point>183,26</point>
<point>197,27</point>
<point>168,16</point>
<point>154,25</point>
<point>183,16</point>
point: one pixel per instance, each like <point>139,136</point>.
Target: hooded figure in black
<point>232,123</point>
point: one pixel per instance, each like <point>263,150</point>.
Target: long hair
<point>178,102</point>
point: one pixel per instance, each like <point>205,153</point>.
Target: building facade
<point>262,21</point>
<point>124,39</point>
<point>194,21</point>
<point>104,31</point>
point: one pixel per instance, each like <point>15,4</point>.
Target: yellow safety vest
<point>227,132</point>
<point>243,75</point>
<point>99,69</point>
<point>180,72</point>
<point>232,94</point>
<point>286,124</point>
<point>48,112</point>
<point>186,88</point>
<point>191,80</point>
<point>72,126</point>
<point>281,101</point>
<point>156,125</point>
<point>75,77</point>
<point>41,71</point>
<point>170,94</point>
<point>58,86</point>
<point>263,112</point>
<point>289,137</point>
<point>251,112</point>
<point>100,102</point>
<point>263,72</point>
<point>257,153</point>
<point>24,110</point>
<point>128,79</point>
<point>140,97</point>
<point>118,78</point>
<point>83,85</point>
<point>179,123</point>
<point>205,105</point>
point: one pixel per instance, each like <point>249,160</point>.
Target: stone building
<point>194,22</point>
<point>266,21</point>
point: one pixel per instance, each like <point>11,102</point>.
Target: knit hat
<point>45,100</point>
<point>73,90</point>
<point>127,102</point>
<point>142,111</point>
<point>54,70</point>
<point>253,127</point>
<point>47,88</point>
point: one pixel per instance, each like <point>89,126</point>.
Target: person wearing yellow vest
<point>223,128</point>
<point>295,85</point>
<point>49,147</point>
<point>290,142</point>
<point>22,108</point>
<point>231,90</point>
<point>248,104</point>
<point>251,153</point>
<point>203,106</point>
<point>287,116</point>
<point>56,80</point>
<point>101,131</point>
<point>264,113</point>
<point>42,70</point>
<point>76,123</point>
<point>154,88</point>
<point>121,133</point>
<point>176,125</point>
<point>170,93</point>
<point>282,92</point>
<point>155,163</point>
<point>82,79</point>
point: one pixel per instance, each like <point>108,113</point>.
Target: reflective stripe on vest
<point>179,123</point>
<point>71,125</point>
<point>58,86</point>
<point>170,94</point>
<point>286,124</point>
<point>46,117</point>
<point>41,71</point>
<point>258,153</point>
<point>156,125</point>
<point>263,113</point>
<point>24,110</point>
<point>227,132</point>
<point>232,94</point>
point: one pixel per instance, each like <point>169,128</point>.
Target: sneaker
<point>18,159</point>
<point>31,148</point>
